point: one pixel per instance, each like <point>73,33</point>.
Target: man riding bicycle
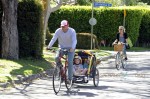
<point>66,40</point>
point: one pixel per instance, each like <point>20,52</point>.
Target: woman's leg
<point>124,52</point>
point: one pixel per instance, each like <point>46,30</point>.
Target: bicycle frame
<point>64,67</point>
<point>91,63</point>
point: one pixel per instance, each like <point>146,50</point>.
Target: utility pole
<point>92,25</point>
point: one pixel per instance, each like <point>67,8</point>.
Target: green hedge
<point>30,28</point>
<point>108,20</point>
<point>84,41</point>
<point>1,28</point>
<point>144,36</point>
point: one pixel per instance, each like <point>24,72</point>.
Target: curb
<point>27,79</point>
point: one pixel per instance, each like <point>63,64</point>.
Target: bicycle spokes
<point>56,80</point>
<point>118,61</point>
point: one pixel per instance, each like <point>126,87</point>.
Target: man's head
<point>64,25</point>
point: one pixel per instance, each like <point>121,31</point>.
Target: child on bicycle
<point>78,67</point>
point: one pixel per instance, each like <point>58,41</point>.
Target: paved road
<point>134,83</point>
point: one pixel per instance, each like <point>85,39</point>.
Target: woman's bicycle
<point>120,57</point>
<point>60,73</point>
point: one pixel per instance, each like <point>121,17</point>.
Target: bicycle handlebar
<point>120,43</point>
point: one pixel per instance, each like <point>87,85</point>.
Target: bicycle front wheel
<point>96,77</point>
<point>118,61</point>
<point>57,79</point>
<point>68,82</point>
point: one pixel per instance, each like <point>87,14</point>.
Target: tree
<point>10,46</point>
<point>49,9</point>
<point>146,1</point>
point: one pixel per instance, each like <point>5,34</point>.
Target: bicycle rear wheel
<point>118,61</point>
<point>96,77</point>
<point>57,79</point>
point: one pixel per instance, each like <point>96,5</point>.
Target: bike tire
<point>56,79</point>
<point>96,77</point>
<point>68,83</point>
<point>118,61</point>
<point>124,64</point>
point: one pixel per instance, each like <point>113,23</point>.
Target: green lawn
<point>9,69</point>
<point>131,49</point>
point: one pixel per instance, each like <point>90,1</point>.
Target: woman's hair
<point>122,27</point>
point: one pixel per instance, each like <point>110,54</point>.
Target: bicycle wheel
<point>118,61</point>
<point>68,83</point>
<point>96,77</point>
<point>124,64</point>
<point>56,79</point>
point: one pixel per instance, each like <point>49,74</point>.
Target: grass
<point>131,49</point>
<point>9,69</point>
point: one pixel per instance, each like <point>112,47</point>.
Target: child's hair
<point>78,57</point>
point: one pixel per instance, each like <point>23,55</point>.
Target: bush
<point>144,35</point>
<point>83,2</point>
<point>30,28</point>
<point>108,20</point>
<point>1,13</point>
<point>84,41</point>
<point>48,37</point>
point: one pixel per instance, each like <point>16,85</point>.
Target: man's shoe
<point>68,81</point>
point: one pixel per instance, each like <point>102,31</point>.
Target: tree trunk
<point>10,46</point>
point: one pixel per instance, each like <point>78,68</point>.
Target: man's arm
<point>74,39</point>
<point>53,40</point>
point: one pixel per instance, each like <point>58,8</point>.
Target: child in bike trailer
<point>79,68</point>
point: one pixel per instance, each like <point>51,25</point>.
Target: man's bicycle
<point>120,57</point>
<point>60,73</point>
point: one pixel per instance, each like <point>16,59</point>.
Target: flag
<point>125,13</point>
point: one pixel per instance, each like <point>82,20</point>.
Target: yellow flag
<point>125,13</point>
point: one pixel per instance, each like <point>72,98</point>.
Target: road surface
<point>133,83</point>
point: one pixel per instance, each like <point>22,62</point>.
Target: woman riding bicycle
<point>67,40</point>
<point>122,37</point>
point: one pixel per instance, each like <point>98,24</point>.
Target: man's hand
<point>71,50</point>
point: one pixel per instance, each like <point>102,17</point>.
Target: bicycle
<point>120,57</point>
<point>60,73</point>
